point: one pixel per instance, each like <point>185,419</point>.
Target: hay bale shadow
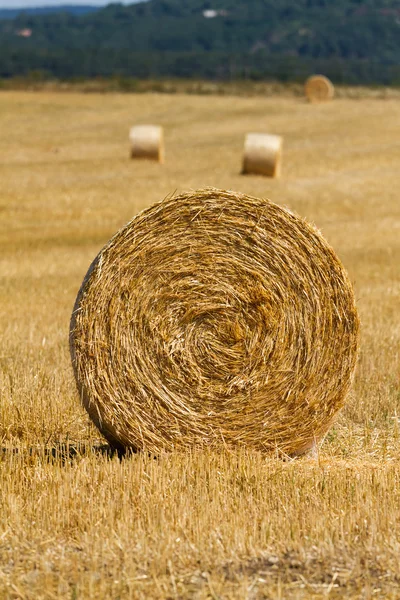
<point>66,452</point>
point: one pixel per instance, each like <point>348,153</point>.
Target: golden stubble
<point>76,523</point>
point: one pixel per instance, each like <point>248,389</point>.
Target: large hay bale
<point>319,88</point>
<point>147,141</point>
<point>214,318</point>
<point>262,154</point>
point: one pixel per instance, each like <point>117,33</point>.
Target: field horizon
<point>78,522</point>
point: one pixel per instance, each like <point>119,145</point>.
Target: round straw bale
<point>147,141</point>
<point>214,318</point>
<point>319,88</point>
<point>262,154</point>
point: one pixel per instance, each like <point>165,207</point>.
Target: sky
<point>24,3</point>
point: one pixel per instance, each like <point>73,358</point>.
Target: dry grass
<point>79,524</point>
<point>243,88</point>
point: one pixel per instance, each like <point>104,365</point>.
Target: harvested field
<point>78,523</point>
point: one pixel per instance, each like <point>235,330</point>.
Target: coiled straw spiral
<point>214,318</point>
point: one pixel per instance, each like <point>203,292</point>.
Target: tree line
<point>351,41</point>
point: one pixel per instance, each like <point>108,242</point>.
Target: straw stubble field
<point>77,523</point>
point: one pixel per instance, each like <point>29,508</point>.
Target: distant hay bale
<point>214,318</point>
<point>319,88</point>
<point>147,141</point>
<point>262,154</point>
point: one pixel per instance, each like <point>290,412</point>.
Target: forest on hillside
<point>351,41</point>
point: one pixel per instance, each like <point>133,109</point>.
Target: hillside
<point>350,40</point>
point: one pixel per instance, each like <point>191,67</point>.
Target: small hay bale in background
<point>147,141</point>
<point>319,88</point>
<point>262,154</point>
<point>214,318</point>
